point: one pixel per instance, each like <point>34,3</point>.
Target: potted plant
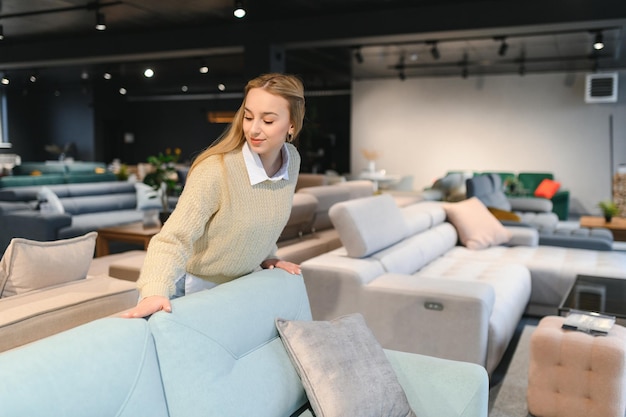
<point>609,209</point>
<point>163,177</point>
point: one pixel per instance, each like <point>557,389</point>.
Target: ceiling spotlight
<point>1,32</point>
<point>32,78</point>
<point>598,42</point>
<point>358,56</point>
<point>221,87</point>
<point>239,11</point>
<point>84,75</point>
<point>107,76</point>
<point>123,91</point>
<point>100,21</point>
<point>204,69</point>
<point>5,80</point>
<point>148,73</point>
<point>184,88</point>
<point>434,51</point>
<point>503,46</point>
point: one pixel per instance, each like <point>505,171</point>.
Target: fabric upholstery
<point>366,228</point>
<point>28,265</point>
<point>574,374</point>
<point>363,382</point>
<point>240,369</point>
<point>476,226</point>
<point>107,367</point>
<point>40,313</point>
<point>488,189</point>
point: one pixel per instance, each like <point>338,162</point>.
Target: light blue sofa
<point>217,354</point>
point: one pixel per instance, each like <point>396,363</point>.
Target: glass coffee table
<point>598,294</point>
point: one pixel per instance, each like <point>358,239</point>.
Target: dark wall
<point>105,125</point>
<point>41,117</point>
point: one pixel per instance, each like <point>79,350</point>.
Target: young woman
<point>235,203</point>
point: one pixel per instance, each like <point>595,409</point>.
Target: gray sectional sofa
<point>420,291</point>
<point>86,206</point>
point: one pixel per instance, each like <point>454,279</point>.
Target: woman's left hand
<point>287,266</point>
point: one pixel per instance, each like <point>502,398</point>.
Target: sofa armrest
<point>535,204</point>
<point>440,387</point>
<point>36,226</point>
<point>437,317</point>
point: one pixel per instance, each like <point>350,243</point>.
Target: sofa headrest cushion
<point>28,265</point>
<point>367,225</point>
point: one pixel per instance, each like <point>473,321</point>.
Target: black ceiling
<point>327,42</point>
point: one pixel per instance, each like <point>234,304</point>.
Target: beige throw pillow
<point>476,226</point>
<point>29,265</point>
<point>343,368</point>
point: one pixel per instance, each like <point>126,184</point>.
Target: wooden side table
<point>129,233</point>
<point>617,226</point>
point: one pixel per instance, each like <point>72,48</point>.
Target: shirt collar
<point>255,169</point>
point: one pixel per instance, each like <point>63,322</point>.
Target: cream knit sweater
<point>222,227</point>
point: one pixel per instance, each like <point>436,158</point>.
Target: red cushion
<point>547,188</point>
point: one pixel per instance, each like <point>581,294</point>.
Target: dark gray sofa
<point>88,207</point>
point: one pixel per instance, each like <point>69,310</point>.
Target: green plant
<point>609,208</point>
<point>163,177</point>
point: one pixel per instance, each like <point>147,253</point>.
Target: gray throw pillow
<point>343,368</point>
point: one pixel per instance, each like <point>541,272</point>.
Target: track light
<point>503,46</point>
<point>148,73</point>
<point>434,51</point>
<point>598,42</point>
<point>100,21</point>
<point>358,56</point>
<point>239,10</point>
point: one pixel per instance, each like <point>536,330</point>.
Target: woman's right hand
<point>149,306</point>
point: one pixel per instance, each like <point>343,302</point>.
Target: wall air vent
<point>601,88</point>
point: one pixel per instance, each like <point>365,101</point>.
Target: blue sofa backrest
<point>107,367</point>
<point>217,354</point>
<point>220,353</point>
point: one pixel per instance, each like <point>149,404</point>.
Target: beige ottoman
<point>573,374</point>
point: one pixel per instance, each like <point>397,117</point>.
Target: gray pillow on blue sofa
<point>343,368</point>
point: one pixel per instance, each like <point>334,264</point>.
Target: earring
<point>289,137</point>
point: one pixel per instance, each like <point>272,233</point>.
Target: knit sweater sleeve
<point>171,248</point>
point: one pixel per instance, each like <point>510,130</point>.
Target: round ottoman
<point>574,374</point>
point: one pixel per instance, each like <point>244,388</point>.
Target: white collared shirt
<point>257,173</point>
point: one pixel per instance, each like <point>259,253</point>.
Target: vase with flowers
<point>371,155</point>
<point>163,177</point>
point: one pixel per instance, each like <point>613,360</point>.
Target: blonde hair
<point>287,86</point>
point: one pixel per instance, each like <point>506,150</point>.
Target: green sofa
<point>560,200</point>
<point>46,173</point>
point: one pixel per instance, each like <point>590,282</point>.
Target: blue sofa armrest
<point>33,225</point>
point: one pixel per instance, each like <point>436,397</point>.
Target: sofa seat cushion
<point>552,269</point>
<point>368,225</point>
<point>84,223</point>
<point>511,283</point>
<point>299,249</point>
<point>40,313</point>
